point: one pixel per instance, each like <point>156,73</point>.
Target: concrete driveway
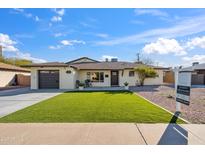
<point>16,99</point>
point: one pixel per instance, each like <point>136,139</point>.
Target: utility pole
<point>1,51</point>
<point>138,57</point>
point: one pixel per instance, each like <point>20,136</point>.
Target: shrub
<point>126,83</point>
<point>81,84</point>
<point>145,72</point>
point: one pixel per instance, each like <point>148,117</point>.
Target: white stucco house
<point>99,73</point>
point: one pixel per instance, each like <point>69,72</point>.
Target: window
<point>95,76</point>
<point>131,73</point>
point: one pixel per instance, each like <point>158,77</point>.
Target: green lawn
<point>92,107</point>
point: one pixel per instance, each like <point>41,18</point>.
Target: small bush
<point>81,84</point>
<point>126,83</point>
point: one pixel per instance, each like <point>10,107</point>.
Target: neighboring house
<point>197,77</point>
<point>101,74</point>
<point>198,73</point>
<point>8,74</point>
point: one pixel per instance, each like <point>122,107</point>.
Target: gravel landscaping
<point>164,96</point>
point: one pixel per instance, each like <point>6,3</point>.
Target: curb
<point>161,107</point>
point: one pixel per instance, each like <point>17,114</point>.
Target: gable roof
<point>82,60</point>
<point>108,66</point>
<point>9,67</point>
<point>85,63</point>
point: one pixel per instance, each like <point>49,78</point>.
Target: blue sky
<point>169,37</point>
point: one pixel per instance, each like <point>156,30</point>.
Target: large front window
<point>95,76</point>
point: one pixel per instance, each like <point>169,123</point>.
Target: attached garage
<point>48,79</point>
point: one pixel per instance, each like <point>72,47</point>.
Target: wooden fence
<point>23,80</point>
<point>168,77</point>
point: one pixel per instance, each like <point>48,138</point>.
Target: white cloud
<point>66,43</point>
<point>9,46</point>
<point>104,57</point>
<point>7,43</point>
<point>195,58</point>
<point>196,42</point>
<point>71,42</point>
<point>153,12</point>
<point>185,27</point>
<point>56,19</point>
<point>18,10</point>
<point>164,46</point>
<point>60,12</point>
<point>26,14</point>
<point>55,47</point>
<point>88,25</point>
<point>102,35</point>
<point>58,34</point>
<point>37,18</point>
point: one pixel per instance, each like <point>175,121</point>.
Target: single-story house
<point>100,73</point>
<point>198,73</point>
<point>8,74</point>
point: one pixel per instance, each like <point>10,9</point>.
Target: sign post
<point>178,105</point>
<point>182,88</point>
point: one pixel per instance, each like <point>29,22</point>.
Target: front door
<point>114,78</point>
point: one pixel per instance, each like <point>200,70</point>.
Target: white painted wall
<point>66,81</point>
<point>126,78</point>
<point>82,76</point>
<point>155,81</point>
<point>133,80</point>
<point>7,77</point>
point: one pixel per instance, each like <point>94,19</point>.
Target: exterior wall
<point>134,79</point>
<point>155,81</point>
<point>82,76</point>
<point>7,77</point>
<point>66,81</point>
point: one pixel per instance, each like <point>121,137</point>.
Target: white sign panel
<point>183,87</point>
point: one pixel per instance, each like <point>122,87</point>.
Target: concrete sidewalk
<point>101,133</point>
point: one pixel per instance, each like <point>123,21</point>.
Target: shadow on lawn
<point>174,134</point>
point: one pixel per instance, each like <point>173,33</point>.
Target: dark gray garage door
<point>49,79</point>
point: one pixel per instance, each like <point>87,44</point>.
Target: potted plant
<point>126,85</point>
<point>81,86</point>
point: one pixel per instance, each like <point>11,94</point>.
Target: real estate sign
<point>183,88</point>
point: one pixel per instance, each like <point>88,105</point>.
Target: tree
<point>17,61</point>
<point>144,72</point>
<point>143,60</point>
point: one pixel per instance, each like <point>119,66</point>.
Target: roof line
<point>80,59</point>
